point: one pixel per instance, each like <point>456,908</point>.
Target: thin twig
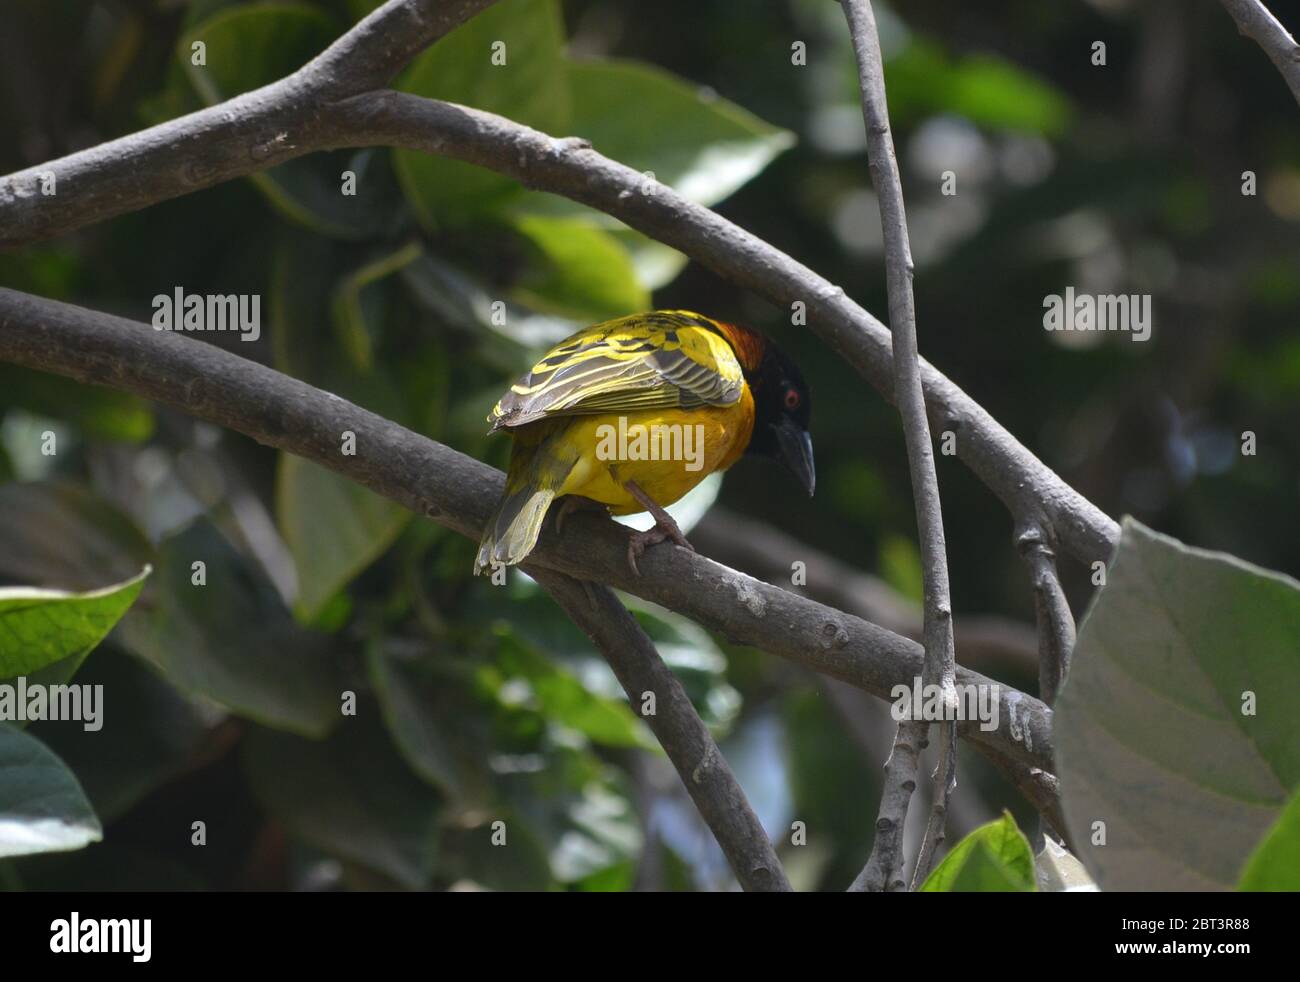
<point>1256,22</point>
<point>884,869</point>
<point>1056,633</point>
<point>680,731</point>
<point>936,630</point>
<point>458,492</point>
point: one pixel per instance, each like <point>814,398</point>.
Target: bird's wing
<point>668,359</point>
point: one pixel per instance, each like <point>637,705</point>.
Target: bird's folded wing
<point>625,366</point>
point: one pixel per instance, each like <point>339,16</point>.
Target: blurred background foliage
<point>479,704</point>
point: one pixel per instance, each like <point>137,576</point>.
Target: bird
<point>631,414</point>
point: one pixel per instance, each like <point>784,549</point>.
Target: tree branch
<point>678,728</point>
<point>1056,633</point>
<point>1256,22</point>
<point>886,860</point>
<point>459,492</point>
<point>282,121</point>
<point>380,45</point>
<point>989,644</point>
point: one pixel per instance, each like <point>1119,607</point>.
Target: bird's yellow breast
<point>667,452</point>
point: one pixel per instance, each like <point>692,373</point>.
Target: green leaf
<point>702,146</point>
<point>987,90</point>
<point>350,796</point>
<point>697,143</point>
<point>350,304</point>
<point>39,627</point>
<point>522,677</point>
<point>995,858</point>
<point>578,271</point>
<point>231,639</point>
<point>42,807</point>
<point>333,526</point>
<point>150,733</point>
<point>58,534</point>
<point>251,46</point>
<point>1179,727</point>
<point>410,702</point>
<point>1275,863</point>
<point>529,88</point>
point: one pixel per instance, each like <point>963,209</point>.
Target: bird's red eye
<point>791,399</point>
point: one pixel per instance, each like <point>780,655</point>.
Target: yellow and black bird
<point>635,412</point>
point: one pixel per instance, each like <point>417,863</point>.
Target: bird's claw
<point>660,532</point>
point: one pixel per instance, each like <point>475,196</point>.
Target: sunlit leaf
<point>39,627</point>
<point>42,807</point>
<point>995,858</point>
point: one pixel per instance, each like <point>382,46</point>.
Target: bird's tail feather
<point>512,531</point>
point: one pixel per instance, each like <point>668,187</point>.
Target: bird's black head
<point>782,412</point>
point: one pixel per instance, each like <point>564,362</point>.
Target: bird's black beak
<point>797,452</point>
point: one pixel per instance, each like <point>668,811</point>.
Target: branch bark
<point>886,855</point>
<point>1056,633</point>
<point>1257,22</point>
<point>989,644</point>
<point>459,492</point>
<point>678,728</point>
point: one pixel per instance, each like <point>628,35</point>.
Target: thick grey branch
<point>678,728</point>
<point>243,135</point>
<point>1257,22</point>
<point>990,644</point>
<point>459,492</point>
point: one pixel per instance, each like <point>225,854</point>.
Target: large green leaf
<point>351,796</point>
<point>42,807</point>
<point>61,535</point>
<point>578,270</point>
<point>231,639</point>
<point>40,627</point>
<point>1275,863</point>
<point>530,88</point>
<point>334,527</point>
<point>251,46</point>
<point>700,145</point>
<point>1178,733</point>
<point>995,858</point>
<point>413,704</point>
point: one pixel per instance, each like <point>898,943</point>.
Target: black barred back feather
<point>661,360</point>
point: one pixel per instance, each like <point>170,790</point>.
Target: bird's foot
<point>664,530</point>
